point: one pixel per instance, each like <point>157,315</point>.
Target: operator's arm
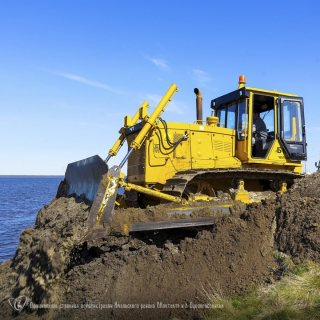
<point>261,128</point>
<point>260,125</point>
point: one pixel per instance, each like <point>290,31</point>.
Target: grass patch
<point>295,296</point>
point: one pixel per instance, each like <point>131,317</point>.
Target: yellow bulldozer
<point>253,140</point>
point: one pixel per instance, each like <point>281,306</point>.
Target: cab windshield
<point>292,121</point>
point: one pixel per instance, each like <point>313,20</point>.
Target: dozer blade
<point>83,177</point>
<point>188,210</point>
<point>102,209</point>
<point>161,225</point>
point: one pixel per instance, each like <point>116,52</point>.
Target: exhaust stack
<point>198,103</point>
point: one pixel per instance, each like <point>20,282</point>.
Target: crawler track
<point>177,184</point>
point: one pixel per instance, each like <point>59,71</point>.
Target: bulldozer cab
<point>269,125</point>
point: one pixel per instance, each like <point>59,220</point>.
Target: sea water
<point>21,197</point>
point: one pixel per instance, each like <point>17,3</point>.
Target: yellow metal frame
<point>150,121</point>
<point>128,122</point>
<point>207,145</point>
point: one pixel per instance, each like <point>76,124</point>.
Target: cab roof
<point>243,93</point>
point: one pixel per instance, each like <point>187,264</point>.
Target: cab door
<point>291,133</point>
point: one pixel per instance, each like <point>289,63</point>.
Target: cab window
<point>292,121</point>
<point>242,119</point>
<point>222,117</point>
<point>231,116</point>
<point>242,116</point>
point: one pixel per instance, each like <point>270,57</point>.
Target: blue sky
<point>71,70</point>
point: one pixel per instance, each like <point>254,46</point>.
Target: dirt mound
<point>309,186</point>
<point>175,267</point>
<point>155,275</point>
<point>166,270</point>
<point>298,220</point>
<point>43,253</point>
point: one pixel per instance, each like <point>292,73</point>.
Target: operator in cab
<point>259,129</point>
<point>259,135</point>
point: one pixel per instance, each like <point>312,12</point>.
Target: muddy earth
<point>155,274</point>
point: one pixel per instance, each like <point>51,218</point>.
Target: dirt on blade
<point>155,275</point>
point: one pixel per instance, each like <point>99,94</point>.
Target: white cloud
<point>88,82</point>
<point>159,63</point>
<point>201,77</point>
<point>174,106</point>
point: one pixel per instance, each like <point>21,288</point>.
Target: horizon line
<point>31,175</point>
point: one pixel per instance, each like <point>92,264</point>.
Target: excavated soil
<point>155,275</point>
<point>298,215</point>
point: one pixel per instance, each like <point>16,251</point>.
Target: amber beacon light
<point>242,81</point>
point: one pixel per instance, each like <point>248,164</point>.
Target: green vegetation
<point>295,296</point>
